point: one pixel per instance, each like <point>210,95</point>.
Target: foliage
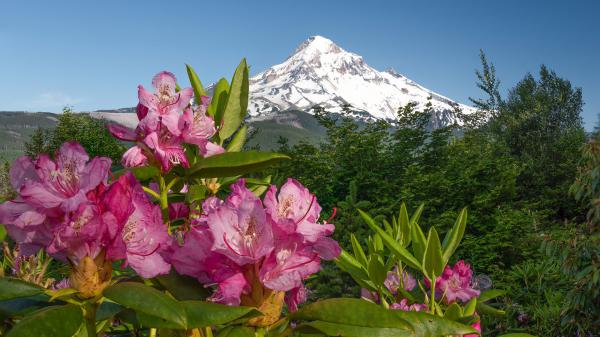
<point>90,132</point>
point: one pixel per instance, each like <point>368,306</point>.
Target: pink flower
<point>64,182</point>
<point>290,263</point>
<point>476,326</point>
<point>197,128</point>
<point>239,227</point>
<point>296,210</point>
<point>369,295</point>
<point>236,247</point>
<point>295,297</point>
<point>392,282</point>
<point>403,305</point>
<point>140,236</point>
<point>167,149</point>
<point>165,104</point>
<point>195,258</point>
<point>455,283</point>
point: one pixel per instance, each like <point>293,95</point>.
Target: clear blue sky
<point>93,54</point>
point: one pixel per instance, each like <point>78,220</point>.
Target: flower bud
<point>271,308</point>
<point>91,276</point>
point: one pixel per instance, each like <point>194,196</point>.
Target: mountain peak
<point>321,73</point>
<point>317,45</point>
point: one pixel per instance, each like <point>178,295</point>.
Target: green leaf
<point>196,84</point>
<point>239,139</point>
<point>490,294</point>
<point>343,314</point>
<point>418,241</point>
<point>203,314</point>
<point>147,300</point>
<point>19,307</point>
<point>341,329</point>
<point>235,331</point>
<point>470,307</point>
<point>195,193</point>
<point>218,101</point>
<point>182,287</point>
<point>359,253</point>
<point>433,265</point>
<point>55,321</point>
<point>14,288</point>
<point>426,325</point>
<point>377,271</point>
<point>404,226</point>
<point>141,173</point>
<point>453,238</point>
<point>392,245</point>
<point>237,101</point>
<point>417,215</point>
<point>234,163</point>
<point>453,312</point>
<point>352,312</point>
<point>485,309</point>
<point>2,233</point>
<point>107,310</point>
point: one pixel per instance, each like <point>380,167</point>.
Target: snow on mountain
<point>320,73</point>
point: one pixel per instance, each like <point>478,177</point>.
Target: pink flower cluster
<point>455,283</point>
<point>66,207</point>
<point>167,120</point>
<point>243,243</point>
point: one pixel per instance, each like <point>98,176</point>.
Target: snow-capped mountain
<point>320,73</point>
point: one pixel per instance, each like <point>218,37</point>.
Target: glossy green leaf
<point>454,237</point>
<point>341,329</point>
<point>486,309</point>
<point>377,270</point>
<point>203,314</point>
<point>107,310</point>
<point>426,325</point>
<point>404,226</point>
<point>239,139</point>
<point>400,252</point>
<point>195,193</point>
<point>19,307</point>
<point>196,84</point>
<point>491,294</point>
<point>55,321</point>
<point>359,253</point>
<point>2,233</point>
<point>419,241</point>
<point>147,300</point>
<point>351,312</point>
<point>470,307</point>
<point>182,287</point>
<point>14,288</point>
<point>141,173</point>
<point>417,215</point>
<point>433,265</point>
<point>218,101</point>
<point>237,101</point>
<point>453,312</point>
<point>234,163</point>
<point>235,331</point>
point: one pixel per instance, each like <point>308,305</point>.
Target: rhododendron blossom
<point>239,245</point>
<point>392,282</point>
<point>456,283</point>
<point>66,207</point>
<point>167,120</point>
<point>404,306</point>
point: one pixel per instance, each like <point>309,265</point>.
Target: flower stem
<point>90,319</point>
<point>164,202</point>
<point>433,296</point>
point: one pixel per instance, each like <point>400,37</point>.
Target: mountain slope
<point>320,73</point>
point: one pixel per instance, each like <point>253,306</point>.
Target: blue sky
<point>93,54</point>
